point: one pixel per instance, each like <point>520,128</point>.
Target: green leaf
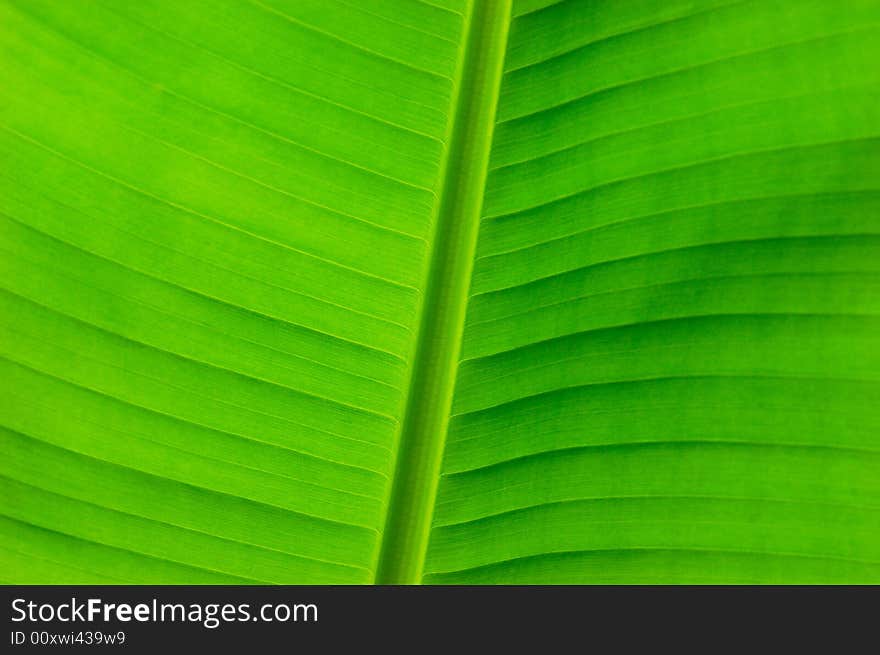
<point>463,291</point>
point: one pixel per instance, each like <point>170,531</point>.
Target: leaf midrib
<point>428,400</point>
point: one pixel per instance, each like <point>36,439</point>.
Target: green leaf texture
<point>459,291</point>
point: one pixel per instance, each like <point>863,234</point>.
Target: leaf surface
<point>450,291</point>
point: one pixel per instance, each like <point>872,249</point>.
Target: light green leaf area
<point>215,225</point>
<point>354,291</point>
